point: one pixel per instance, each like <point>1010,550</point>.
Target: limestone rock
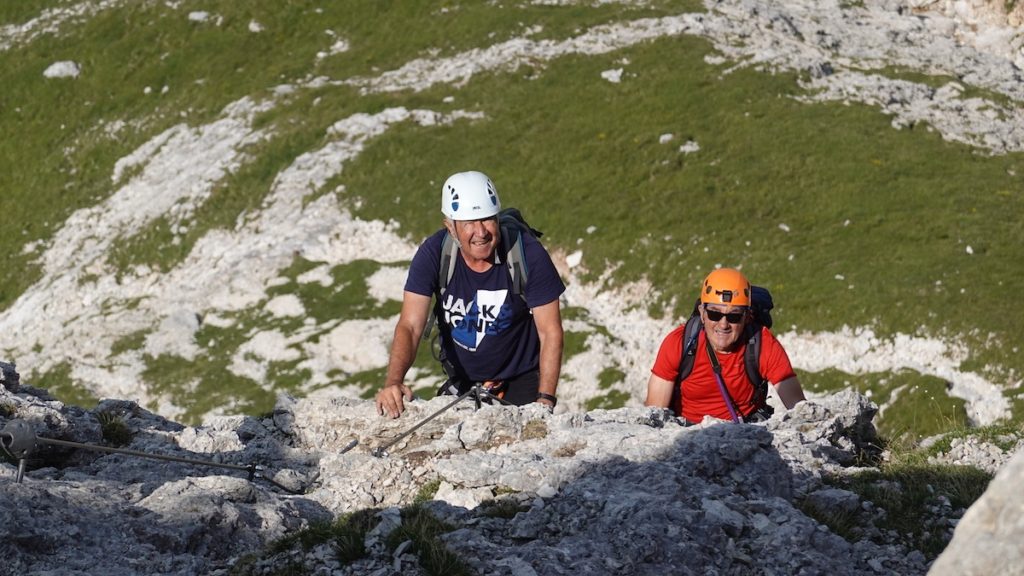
<point>988,539</point>
<point>626,491</point>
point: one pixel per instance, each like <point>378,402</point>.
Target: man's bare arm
<point>408,330</point>
<point>548,319</point>
<point>790,392</point>
<point>659,392</point>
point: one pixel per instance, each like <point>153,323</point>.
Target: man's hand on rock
<point>389,400</point>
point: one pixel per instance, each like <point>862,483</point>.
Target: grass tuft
<point>844,523</point>
<point>347,534</point>
<point>114,429</point>
<point>505,508</point>
<point>427,491</point>
<point>424,529</point>
<point>917,499</point>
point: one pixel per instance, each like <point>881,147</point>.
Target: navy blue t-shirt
<point>486,330</point>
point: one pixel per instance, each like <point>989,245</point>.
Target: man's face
<point>723,325</point>
<point>478,239</point>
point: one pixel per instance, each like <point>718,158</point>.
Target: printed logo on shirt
<point>485,315</point>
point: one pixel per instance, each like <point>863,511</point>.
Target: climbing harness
<point>477,392</point>
<point>19,441</point>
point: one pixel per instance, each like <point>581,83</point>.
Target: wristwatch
<point>548,397</point>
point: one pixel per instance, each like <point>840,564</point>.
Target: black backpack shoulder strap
<point>444,275</point>
<point>752,363</point>
<point>691,335</point>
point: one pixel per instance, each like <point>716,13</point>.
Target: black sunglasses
<point>731,317</point>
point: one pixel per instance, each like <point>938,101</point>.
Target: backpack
<point>512,226</point>
<point>761,306</point>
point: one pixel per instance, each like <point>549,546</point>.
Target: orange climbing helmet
<point>726,286</point>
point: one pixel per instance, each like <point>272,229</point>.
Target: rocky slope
<point>625,491</point>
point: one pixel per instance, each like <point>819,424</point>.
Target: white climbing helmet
<point>469,196</point>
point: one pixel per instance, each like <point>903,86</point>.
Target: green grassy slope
<point>879,220</point>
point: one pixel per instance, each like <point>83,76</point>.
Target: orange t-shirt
<point>699,391</point>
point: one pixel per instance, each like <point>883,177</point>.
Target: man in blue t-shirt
<point>509,343</point>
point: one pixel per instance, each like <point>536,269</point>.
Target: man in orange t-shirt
<point>725,314</point>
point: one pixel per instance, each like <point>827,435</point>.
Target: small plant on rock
<point>427,491</point>
<point>114,429</point>
<point>423,529</point>
<point>348,533</point>
<point>841,522</point>
<point>502,508</point>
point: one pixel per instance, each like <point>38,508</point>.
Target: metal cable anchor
<point>479,394</point>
